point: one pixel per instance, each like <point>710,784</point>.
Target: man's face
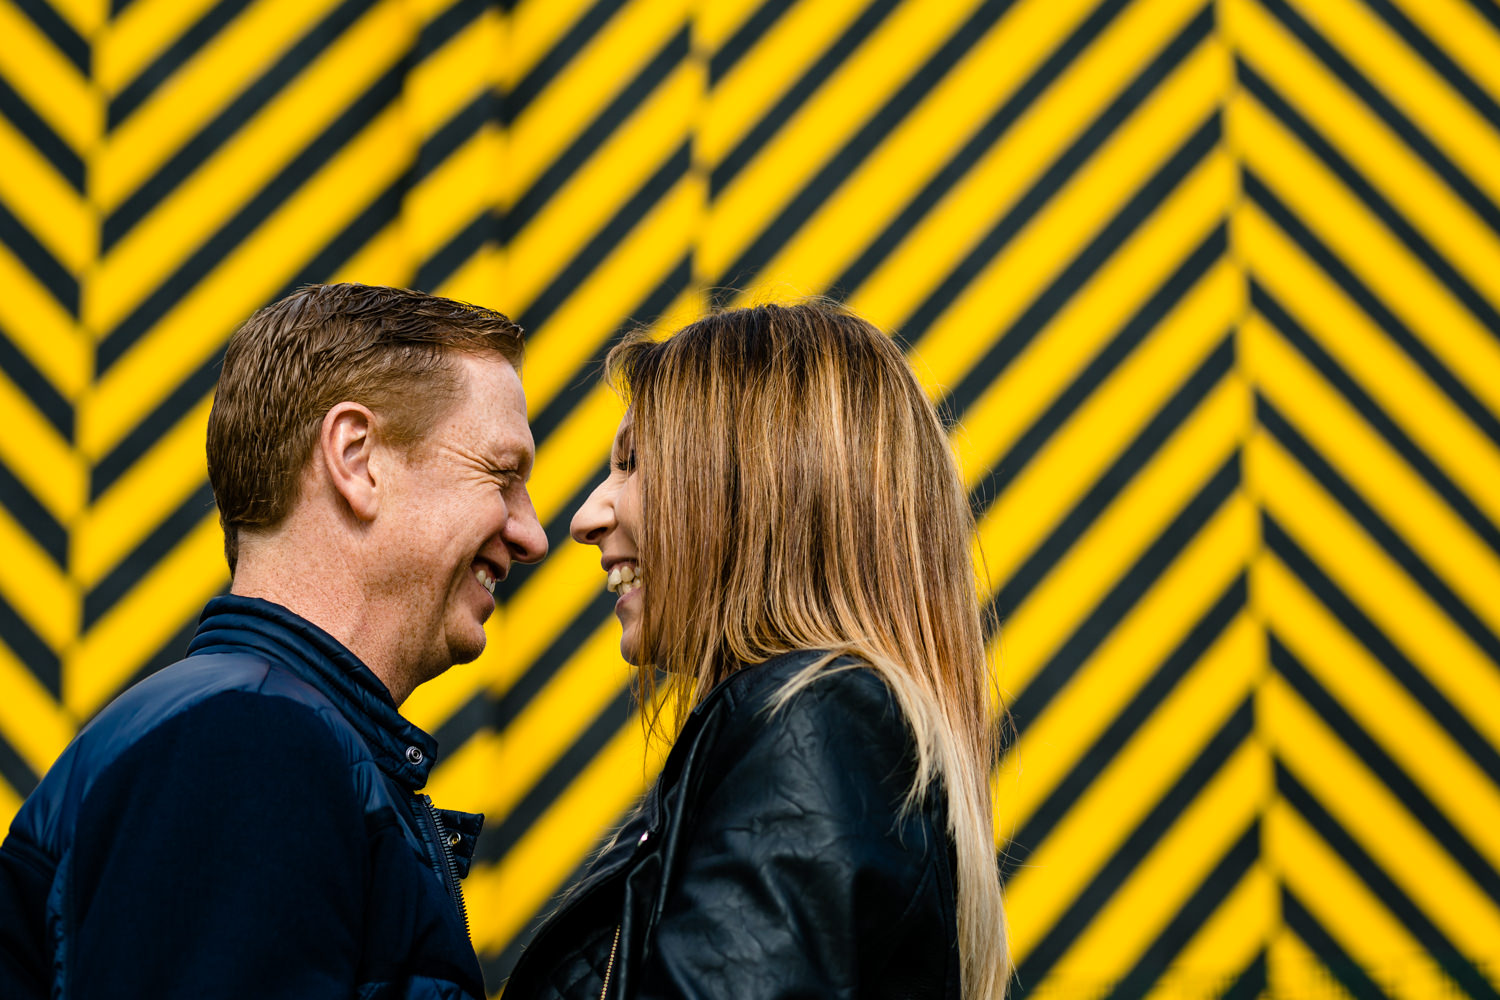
<point>457,516</point>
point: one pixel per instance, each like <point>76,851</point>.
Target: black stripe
<point>1130,461</point>
<point>990,133</point>
<point>35,519</point>
<point>192,390</point>
<point>1364,631</point>
<point>149,430</point>
<point>1378,206</point>
<point>16,772</point>
<point>1488,10</point>
<point>38,389</point>
<point>46,268</point>
<point>145,557</point>
<point>1372,414</point>
<point>745,37</point>
<point>1409,133</point>
<point>446,26</point>
<point>541,75</point>
<point>1250,983</point>
<point>1395,546</point>
<point>500,838</point>
<point>1387,771</point>
<point>1438,60</point>
<point>566,281</point>
<point>227,122</point>
<point>1162,816</point>
<point>486,713</point>
<point>30,649</point>
<point>172,650</point>
<point>1195,912</point>
<point>1381,885</point>
<point>62,34</point>
<point>1150,194</point>
<point>497,966</point>
<point>37,132</point>
<point>588,142</point>
<point>454,133</point>
<point>312,158</point>
<point>792,101</point>
<point>646,311</point>
<point>1350,974</point>
<point>1169,673</point>
<point>1094,374</point>
<point>1262,196</point>
<point>170,60</point>
<point>448,258</point>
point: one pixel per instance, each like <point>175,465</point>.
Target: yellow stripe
<point>36,588</point>
<point>1376,256</point>
<point>532,29</point>
<point>476,279</point>
<point>1165,879</point>
<point>576,96</point>
<point>1381,158</point>
<point>1055,741</point>
<point>1050,241</point>
<point>614,172</point>
<point>1388,374</point>
<point>714,23</point>
<point>1129,786</point>
<point>140,623</point>
<point>47,81</point>
<point>921,143</point>
<point>38,456</point>
<point>1383,708</point>
<point>42,330</point>
<point>458,191</point>
<point>1364,807</point>
<point>1133,520</point>
<point>1016,399</point>
<point>494,770</point>
<point>820,127</point>
<point>1401,498</point>
<point>1375,584</point>
<point>1348,910</point>
<point>202,203</point>
<point>85,16</point>
<point>387,259</point>
<point>142,498</point>
<point>1043,492</point>
<point>1226,942</point>
<point>30,720</point>
<point>130,42</point>
<point>464,68</point>
<point>202,319</point>
<point>768,69</point>
<point>1029,148</point>
<point>503,897</point>
<point>1463,35</point>
<point>1414,87</point>
<point>45,203</point>
<point>558,351</point>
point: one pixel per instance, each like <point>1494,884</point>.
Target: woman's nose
<point>595,518</point>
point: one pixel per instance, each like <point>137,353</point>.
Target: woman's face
<point>611,519</point>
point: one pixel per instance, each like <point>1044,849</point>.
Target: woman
<point>786,528</point>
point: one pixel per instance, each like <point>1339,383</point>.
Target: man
<point>246,822</point>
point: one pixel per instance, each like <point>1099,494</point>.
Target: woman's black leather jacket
<point>771,860</point>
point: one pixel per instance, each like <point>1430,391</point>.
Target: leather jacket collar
<point>232,624</point>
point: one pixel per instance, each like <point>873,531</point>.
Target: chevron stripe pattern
<point>1209,290</point>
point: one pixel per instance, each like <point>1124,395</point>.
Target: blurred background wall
<point>1210,290</point>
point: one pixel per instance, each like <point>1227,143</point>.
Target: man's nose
<point>524,532</point>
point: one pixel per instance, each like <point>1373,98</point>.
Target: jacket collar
<point>233,624</point>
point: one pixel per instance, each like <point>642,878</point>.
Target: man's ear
<point>346,445</point>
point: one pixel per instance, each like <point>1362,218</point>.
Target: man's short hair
<point>390,349</point>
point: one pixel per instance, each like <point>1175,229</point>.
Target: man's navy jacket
<point>243,823</point>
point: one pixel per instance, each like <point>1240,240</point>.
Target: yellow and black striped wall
<point>1210,290</point>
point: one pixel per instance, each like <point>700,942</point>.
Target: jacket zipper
<point>449,863</point>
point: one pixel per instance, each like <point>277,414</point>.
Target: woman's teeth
<point>485,580</point>
<point>623,579</point>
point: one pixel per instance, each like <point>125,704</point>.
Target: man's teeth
<point>485,580</point>
<point>623,579</point>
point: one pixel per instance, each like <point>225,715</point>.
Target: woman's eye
<point>626,464</point>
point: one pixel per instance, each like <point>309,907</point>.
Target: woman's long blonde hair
<point>798,492</point>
